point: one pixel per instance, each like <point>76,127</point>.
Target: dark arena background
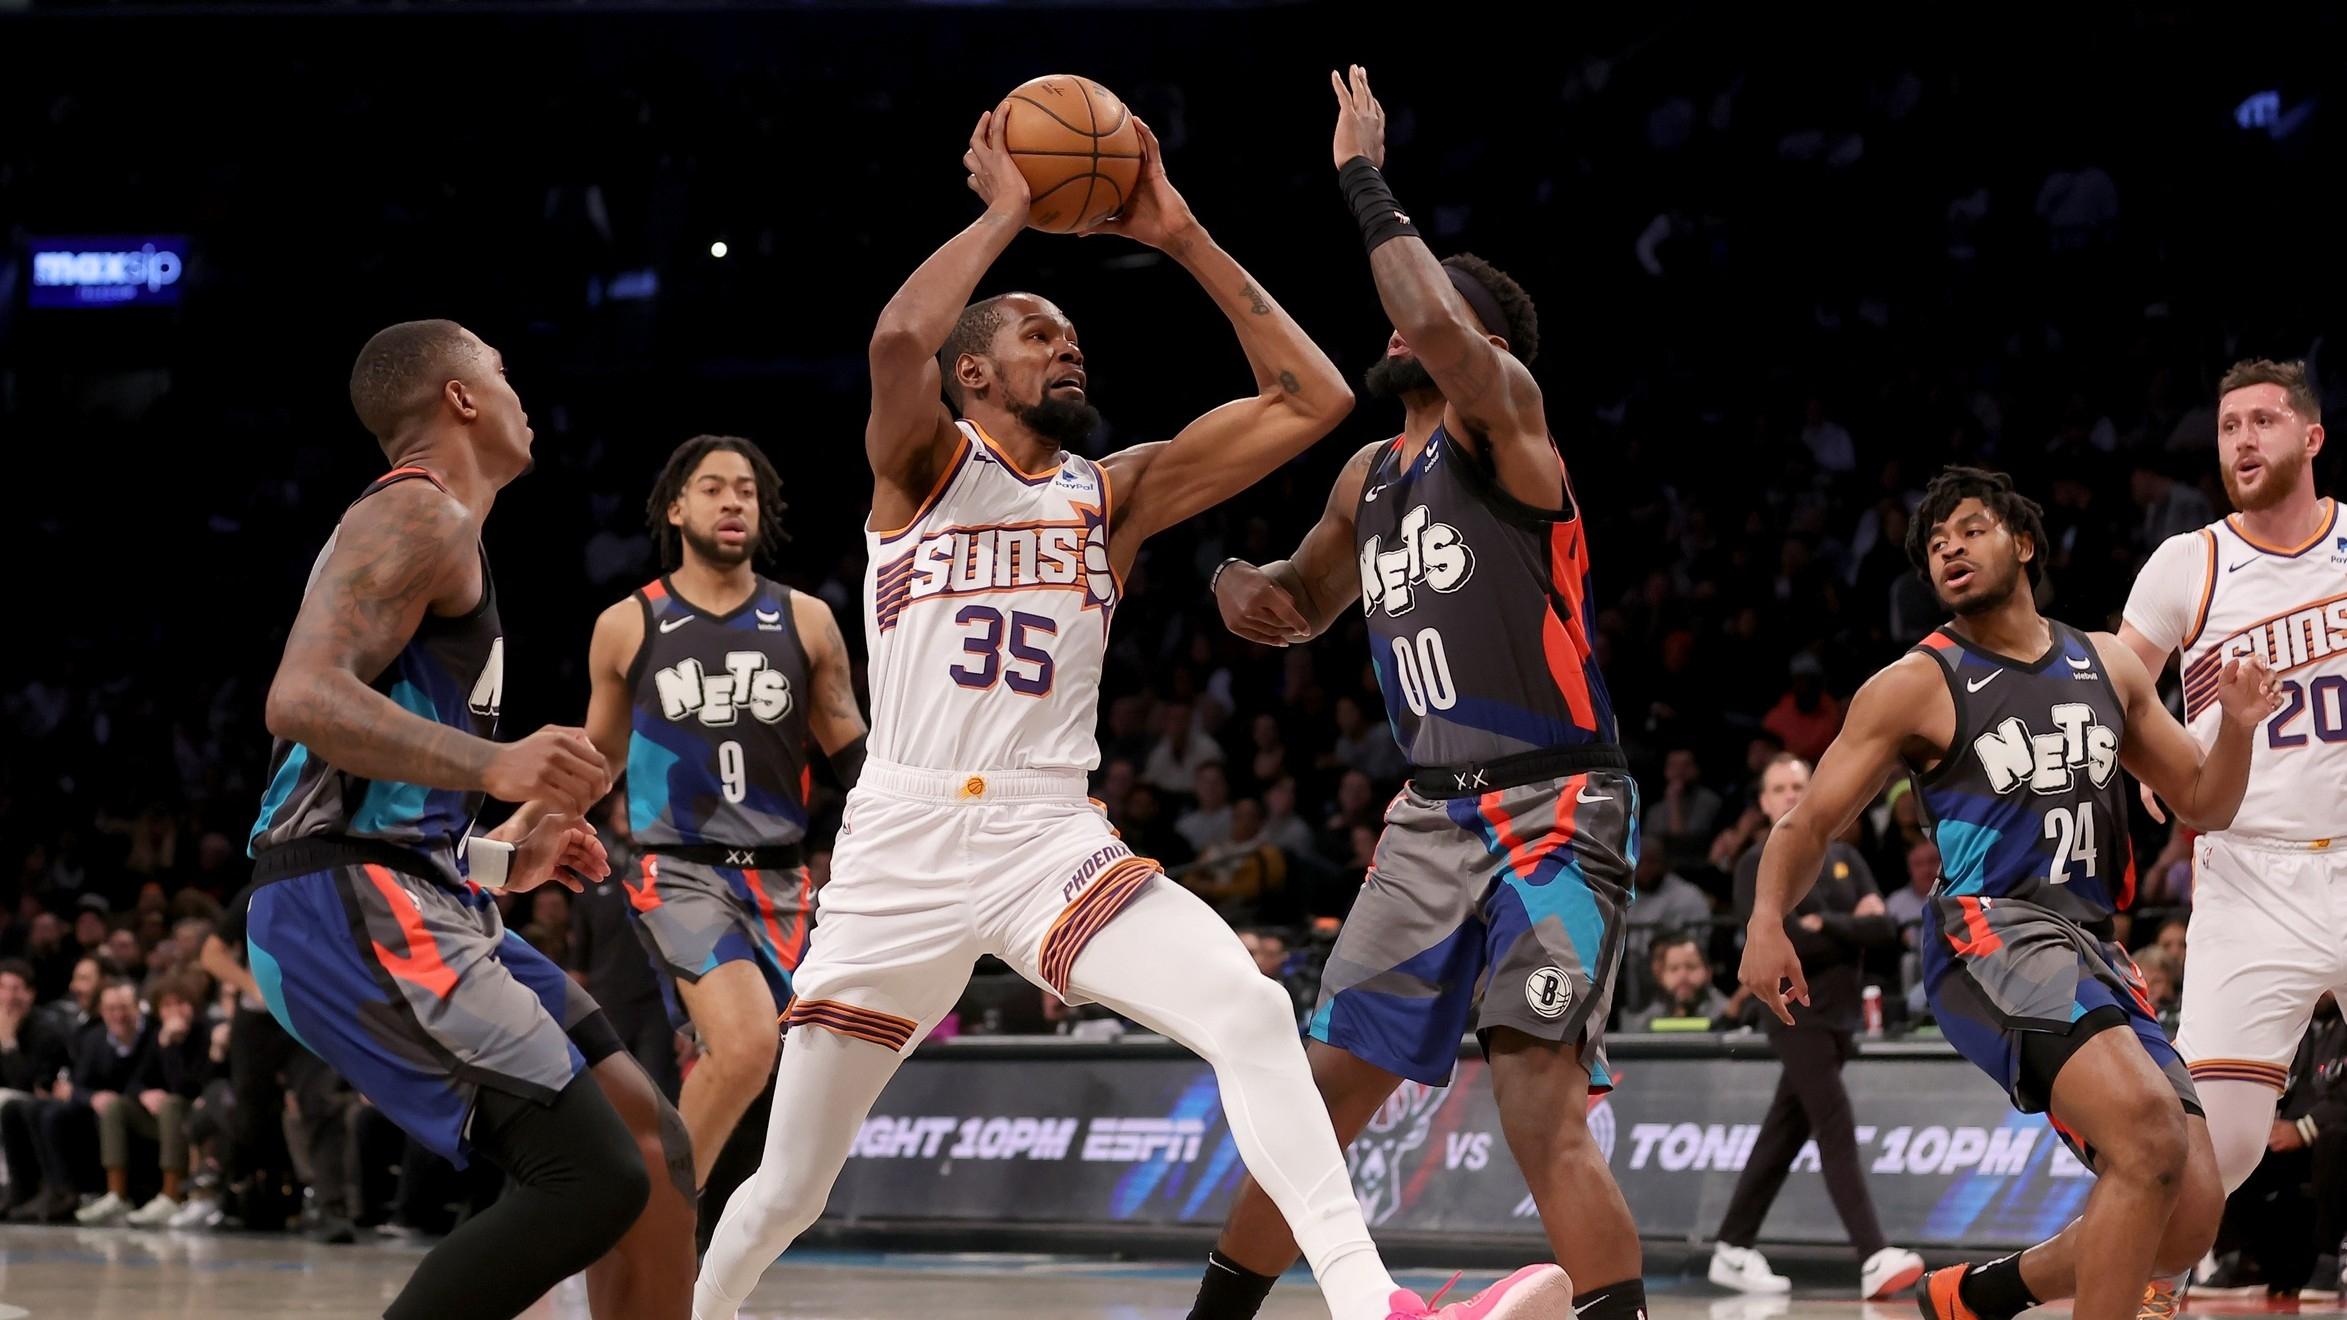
<point>1787,267</point>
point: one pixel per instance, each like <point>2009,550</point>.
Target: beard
<point>1064,423</point>
<point>1393,377</point>
<point>2282,481</point>
<point>1989,597</point>
<point>713,551</point>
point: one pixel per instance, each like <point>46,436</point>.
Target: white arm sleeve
<point>2165,605</point>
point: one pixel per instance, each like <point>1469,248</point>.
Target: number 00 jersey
<point>1478,610</point>
<point>987,616</point>
<point>2216,595</point>
<point>2029,803</point>
<point>718,750</point>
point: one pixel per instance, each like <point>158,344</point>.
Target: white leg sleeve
<point>823,1088</point>
<point>1168,962</point>
<point>2240,1122</point>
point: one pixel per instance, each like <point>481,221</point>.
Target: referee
<point>1832,929</point>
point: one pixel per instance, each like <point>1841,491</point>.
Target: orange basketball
<point>1076,144</point>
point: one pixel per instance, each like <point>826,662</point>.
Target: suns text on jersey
<point>2285,642</point>
<point>969,561</point>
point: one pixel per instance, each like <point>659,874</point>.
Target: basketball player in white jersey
<point>996,557</point>
<point>2269,895</point>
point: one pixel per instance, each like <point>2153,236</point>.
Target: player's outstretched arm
<point>833,717</point>
<point>1296,599</point>
<point>1300,396</point>
<point>395,554</point>
<point>1488,390</point>
<point>1884,722</point>
<point>910,433</point>
<point>2205,791</point>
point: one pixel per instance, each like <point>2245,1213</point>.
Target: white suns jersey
<point>987,616</point>
<point>2215,594</point>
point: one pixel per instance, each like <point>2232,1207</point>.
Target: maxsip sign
<point>107,271</point>
<point>1079,1141</point>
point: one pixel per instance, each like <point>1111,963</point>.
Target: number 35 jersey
<point>718,750</point>
<point>1479,612</point>
<point>986,617</point>
<point>2029,803</point>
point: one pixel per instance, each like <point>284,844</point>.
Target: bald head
<point>402,370</point>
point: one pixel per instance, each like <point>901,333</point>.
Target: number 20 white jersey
<point>2215,594</point>
<point>986,618</point>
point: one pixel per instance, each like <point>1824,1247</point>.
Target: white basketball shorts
<point>2268,937</point>
<point>934,869</point>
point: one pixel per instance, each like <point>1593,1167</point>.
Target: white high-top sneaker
<point>1745,1270</point>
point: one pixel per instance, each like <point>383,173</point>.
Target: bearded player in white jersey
<point>2269,895</point>
<point>996,556</point>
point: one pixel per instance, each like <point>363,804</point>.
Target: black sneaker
<point>334,1232</point>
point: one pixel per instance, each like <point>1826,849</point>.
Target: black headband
<point>1478,298</point>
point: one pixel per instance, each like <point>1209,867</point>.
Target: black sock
<point>1230,1291</point>
<point>1994,1291</point>
<point>1615,1301</point>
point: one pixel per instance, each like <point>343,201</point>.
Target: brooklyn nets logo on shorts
<point>1549,991</point>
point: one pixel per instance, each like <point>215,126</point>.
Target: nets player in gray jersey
<point>2014,728</point>
<point>1501,882</point>
<point>708,684</point>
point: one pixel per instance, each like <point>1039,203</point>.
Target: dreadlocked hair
<point>2020,514</point>
<point>679,470</point>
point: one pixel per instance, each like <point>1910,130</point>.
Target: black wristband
<point>1216,575</point>
<point>848,763</point>
<point>1381,217</point>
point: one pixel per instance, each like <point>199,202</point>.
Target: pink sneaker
<point>1535,1292</point>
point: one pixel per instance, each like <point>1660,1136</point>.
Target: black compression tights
<point>574,1185</point>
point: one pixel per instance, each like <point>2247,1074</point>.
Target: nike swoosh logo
<point>671,625</point>
<point>1976,684</point>
<point>1371,496</point>
<point>2235,568</point>
<point>2076,663</point>
<point>1586,796</point>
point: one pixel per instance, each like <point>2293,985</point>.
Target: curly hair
<point>2020,514</point>
<point>1523,328</point>
<point>679,470</point>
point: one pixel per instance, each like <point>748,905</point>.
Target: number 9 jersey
<point>988,613</point>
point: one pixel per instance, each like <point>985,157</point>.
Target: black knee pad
<point>577,1148</point>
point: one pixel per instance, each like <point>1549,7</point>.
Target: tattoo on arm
<point>389,562</point>
<point>1255,302</point>
<point>1288,382</point>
